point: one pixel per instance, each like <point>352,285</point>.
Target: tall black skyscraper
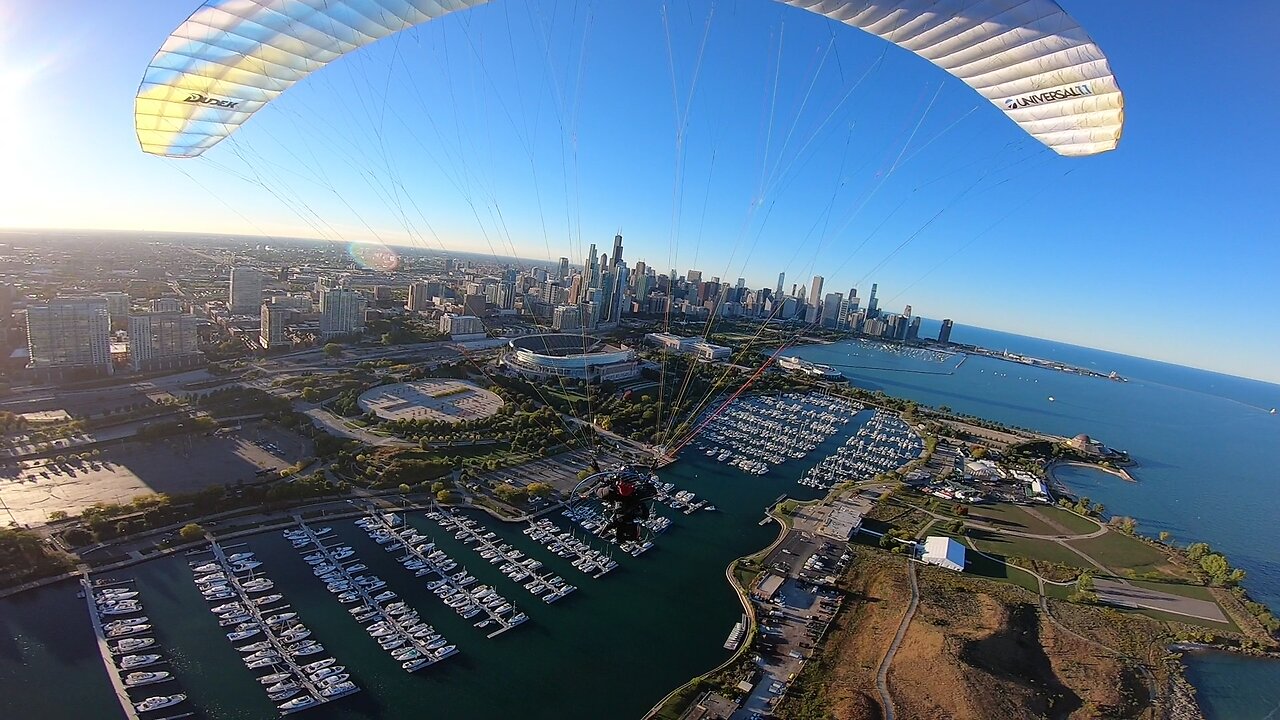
<point>617,250</point>
<point>944,333</point>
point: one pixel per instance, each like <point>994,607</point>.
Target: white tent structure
<point>944,552</point>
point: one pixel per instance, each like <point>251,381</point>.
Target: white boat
<point>159,702</point>
<point>129,662</point>
<point>274,678</point>
<point>298,703</point>
<point>131,644</point>
<point>138,679</point>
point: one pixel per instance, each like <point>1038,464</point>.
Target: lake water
<point>1204,444</point>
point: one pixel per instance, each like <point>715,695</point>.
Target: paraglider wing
<point>232,57</point>
<point>1028,57</point>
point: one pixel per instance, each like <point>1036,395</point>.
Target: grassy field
<point>1196,592</point>
<point>1011,517</point>
<point>1031,548</point>
<point>1121,552</point>
<point>1071,521</point>
<point>985,567</point>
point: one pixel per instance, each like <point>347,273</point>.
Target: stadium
<point>580,357</point>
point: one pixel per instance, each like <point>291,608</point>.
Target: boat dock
<point>121,690</point>
<point>515,566</point>
<point>426,656</point>
<point>258,614</point>
<point>566,544</point>
<point>379,520</point>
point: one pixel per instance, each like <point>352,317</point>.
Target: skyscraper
<point>782,276</point>
<point>162,340</point>
<point>118,309</point>
<point>617,250</point>
<point>907,311</point>
<point>831,310</point>
<point>563,270</point>
<point>815,290</point>
<point>590,271</point>
<point>246,291</point>
<point>70,333</point>
<point>913,331</point>
<point>944,333</point>
<point>341,312</point>
<point>271,328</point>
<point>419,297</point>
<point>166,305</point>
<point>694,277</point>
<point>873,305</point>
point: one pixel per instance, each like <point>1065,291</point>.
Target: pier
<point>257,612</point>
<point>427,656</point>
<point>113,673</point>
<point>551,582</point>
<point>586,559</point>
<point>504,623</point>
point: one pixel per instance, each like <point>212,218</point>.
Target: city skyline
<point>1102,273</point>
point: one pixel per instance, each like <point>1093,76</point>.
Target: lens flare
<point>374,256</point>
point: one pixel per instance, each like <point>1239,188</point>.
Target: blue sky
<point>537,128</point>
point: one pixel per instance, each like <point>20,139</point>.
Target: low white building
<point>944,552</point>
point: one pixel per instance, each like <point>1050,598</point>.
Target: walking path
<point>882,675</point>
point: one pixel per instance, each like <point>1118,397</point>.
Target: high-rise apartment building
<point>70,333</point>
<point>341,312</point>
<point>271,331</point>
<point>160,305</point>
<point>419,297</point>
<point>117,308</point>
<point>245,291</point>
<point>163,341</point>
<point>777,292</point>
<point>944,333</point>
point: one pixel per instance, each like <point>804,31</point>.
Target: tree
<point>1165,536</point>
<point>332,350</point>
<point>1195,551</point>
<point>539,489</point>
<point>191,531</point>
<point>404,488</point>
<point>444,496</point>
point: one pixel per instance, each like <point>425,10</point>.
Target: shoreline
<point>1117,472</point>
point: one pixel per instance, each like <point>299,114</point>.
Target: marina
<point>117,600</point>
<point>546,586</point>
<point>395,626</point>
<point>424,559</point>
<point>251,611</point>
<point>566,544</point>
<point>883,444</point>
<point>756,433</point>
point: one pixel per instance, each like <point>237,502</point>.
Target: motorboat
<point>274,678</point>
<point>129,662</point>
<point>317,665</point>
<point>138,679</point>
<point>245,634</point>
<point>159,702</point>
<point>268,599</point>
<point>344,688</point>
<point>130,644</point>
<point>255,647</point>
<point>327,671</point>
<point>299,703</point>
<point>127,630</point>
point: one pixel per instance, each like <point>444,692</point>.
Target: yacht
<point>129,662</point>
<point>159,702</point>
<point>298,703</point>
<point>130,644</point>
<point>137,679</point>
